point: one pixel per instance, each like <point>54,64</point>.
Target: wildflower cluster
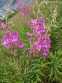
<point>40,43</point>
<point>25,10</point>
<point>20,4</point>
<point>10,39</point>
<point>3,25</point>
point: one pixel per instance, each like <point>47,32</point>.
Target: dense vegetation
<point>21,66</point>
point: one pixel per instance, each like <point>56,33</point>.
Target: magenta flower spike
<point>15,52</point>
<point>11,39</point>
<point>20,4</point>
<point>39,41</point>
<point>3,25</point>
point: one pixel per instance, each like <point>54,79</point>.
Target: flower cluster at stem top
<point>39,41</point>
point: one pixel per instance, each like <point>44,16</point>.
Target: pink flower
<point>19,44</point>
<point>20,4</point>
<point>25,11</point>
<point>27,51</point>
<point>32,22</point>
<point>42,44</point>
<point>29,34</point>
<point>30,7</point>
<point>41,21</point>
<point>15,52</point>
<point>10,39</point>
<point>39,41</point>
<point>3,25</point>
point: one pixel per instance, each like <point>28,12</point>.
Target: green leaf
<point>39,72</point>
<point>38,78</point>
<point>35,82</point>
<point>60,66</point>
<point>51,73</point>
<point>57,70</point>
<point>59,60</point>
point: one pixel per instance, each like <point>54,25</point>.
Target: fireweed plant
<point>10,39</point>
<point>23,8</point>
<point>39,41</point>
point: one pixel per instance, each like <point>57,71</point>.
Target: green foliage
<point>56,39</point>
<point>38,70</point>
<point>55,68</point>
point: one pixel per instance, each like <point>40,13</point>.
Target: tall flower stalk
<point>39,42</point>
<point>10,39</point>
